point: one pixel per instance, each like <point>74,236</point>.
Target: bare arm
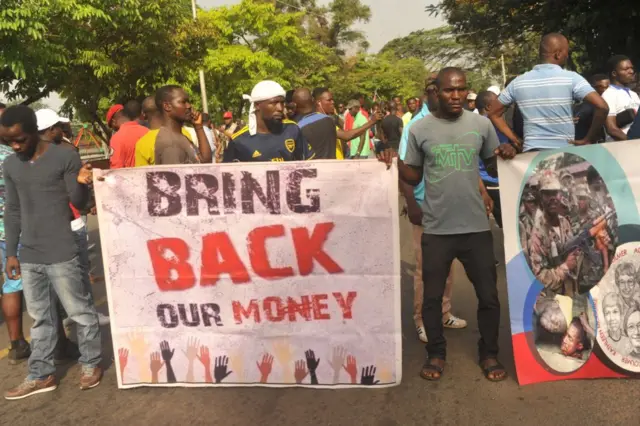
<point>612,128</point>
<point>411,175</point>
<point>496,115</point>
<point>354,133</point>
<point>601,110</point>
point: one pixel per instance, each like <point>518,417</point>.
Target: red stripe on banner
<point>530,369</point>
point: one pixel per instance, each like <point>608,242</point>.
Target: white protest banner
<point>266,274</point>
<point>572,247</point>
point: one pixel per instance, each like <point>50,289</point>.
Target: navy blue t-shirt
<point>288,145</point>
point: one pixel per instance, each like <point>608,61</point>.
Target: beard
<point>274,125</point>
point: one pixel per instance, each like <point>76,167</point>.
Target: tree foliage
<point>88,50</point>
<point>596,28</point>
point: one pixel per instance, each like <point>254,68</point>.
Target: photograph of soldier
<point>568,226</point>
<point>563,330</point>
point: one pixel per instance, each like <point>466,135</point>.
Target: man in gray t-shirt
<point>448,151</point>
<point>443,149</point>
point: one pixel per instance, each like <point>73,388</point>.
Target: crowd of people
<point>447,141</point>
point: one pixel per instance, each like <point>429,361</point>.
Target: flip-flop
<point>428,368</point>
<point>492,369</point>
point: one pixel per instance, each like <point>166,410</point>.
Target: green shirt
<point>360,121</point>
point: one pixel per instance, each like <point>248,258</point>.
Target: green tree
<point>591,25</point>
<point>95,52</point>
<point>382,75</point>
<point>440,47</point>
<point>258,42</point>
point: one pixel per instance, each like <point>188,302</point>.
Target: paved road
<point>463,397</point>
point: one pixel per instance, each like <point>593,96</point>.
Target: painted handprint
<point>284,354</point>
<point>368,376</point>
<point>265,367</point>
<point>351,368</point>
<point>123,358</point>
<point>337,361</point>
<point>139,349</point>
<point>312,365</point>
<point>205,359</point>
<point>155,365</point>
<point>167,355</point>
<point>191,353</point>
<point>220,371</point>
<point>236,363</point>
<point>300,371</point>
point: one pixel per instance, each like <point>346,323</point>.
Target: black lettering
<point>209,311</point>
<point>195,315</point>
<point>294,196</point>
<point>201,187</point>
<point>172,317</point>
<point>229,192</point>
<point>162,194</point>
<point>250,186</point>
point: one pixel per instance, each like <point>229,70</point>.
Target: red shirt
<point>123,144</point>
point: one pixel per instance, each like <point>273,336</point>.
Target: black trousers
<point>475,252</point>
<point>497,210</point>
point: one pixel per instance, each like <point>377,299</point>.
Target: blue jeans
<point>83,258</point>
<point>44,285</point>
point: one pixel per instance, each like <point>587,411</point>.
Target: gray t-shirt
<point>449,150</point>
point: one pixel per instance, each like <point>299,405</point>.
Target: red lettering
<point>220,257</point>
<point>346,305</point>
<point>259,256</point>
<point>167,255</point>
<point>310,247</point>
<point>267,305</point>
<point>319,307</point>
<point>239,311</point>
<point>303,308</point>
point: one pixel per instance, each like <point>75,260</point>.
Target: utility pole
<point>504,72</point>
<point>203,86</point>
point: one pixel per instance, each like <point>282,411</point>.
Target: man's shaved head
<point>303,100</point>
<point>149,105</point>
<point>554,48</point>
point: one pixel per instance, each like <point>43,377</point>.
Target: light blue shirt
<point>418,191</point>
<point>545,96</point>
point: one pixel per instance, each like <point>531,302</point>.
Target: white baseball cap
<point>494,89</point>
<point>472,97</point>
<point>48,118</point>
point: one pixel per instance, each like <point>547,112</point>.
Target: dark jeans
<point>495,196</point>
<point>475,252</point>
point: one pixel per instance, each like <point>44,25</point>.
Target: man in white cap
<point>471,102</point>
<point>269,136</point>
<point>50,125</point>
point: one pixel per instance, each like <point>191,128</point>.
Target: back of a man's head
<point>22,115</point>
<point>483,100</point>
<point>550,44</point>
<point>132,110</point>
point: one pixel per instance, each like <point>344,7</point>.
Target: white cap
<point>48,118</point>
<point>494,89</point>
<point>472,97</point>
<point>262,91</point>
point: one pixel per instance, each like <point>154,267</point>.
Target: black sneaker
<point>19,353</point>
<point>66,352</point>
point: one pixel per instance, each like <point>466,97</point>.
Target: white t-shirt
<point>620,99</point>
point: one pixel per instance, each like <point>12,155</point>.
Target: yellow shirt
<point>146,148</point>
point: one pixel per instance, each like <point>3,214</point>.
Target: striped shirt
<point>545,96</point>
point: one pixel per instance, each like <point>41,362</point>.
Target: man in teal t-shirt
<point>359,146</point>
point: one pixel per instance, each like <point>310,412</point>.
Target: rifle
<point>591,231</point>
